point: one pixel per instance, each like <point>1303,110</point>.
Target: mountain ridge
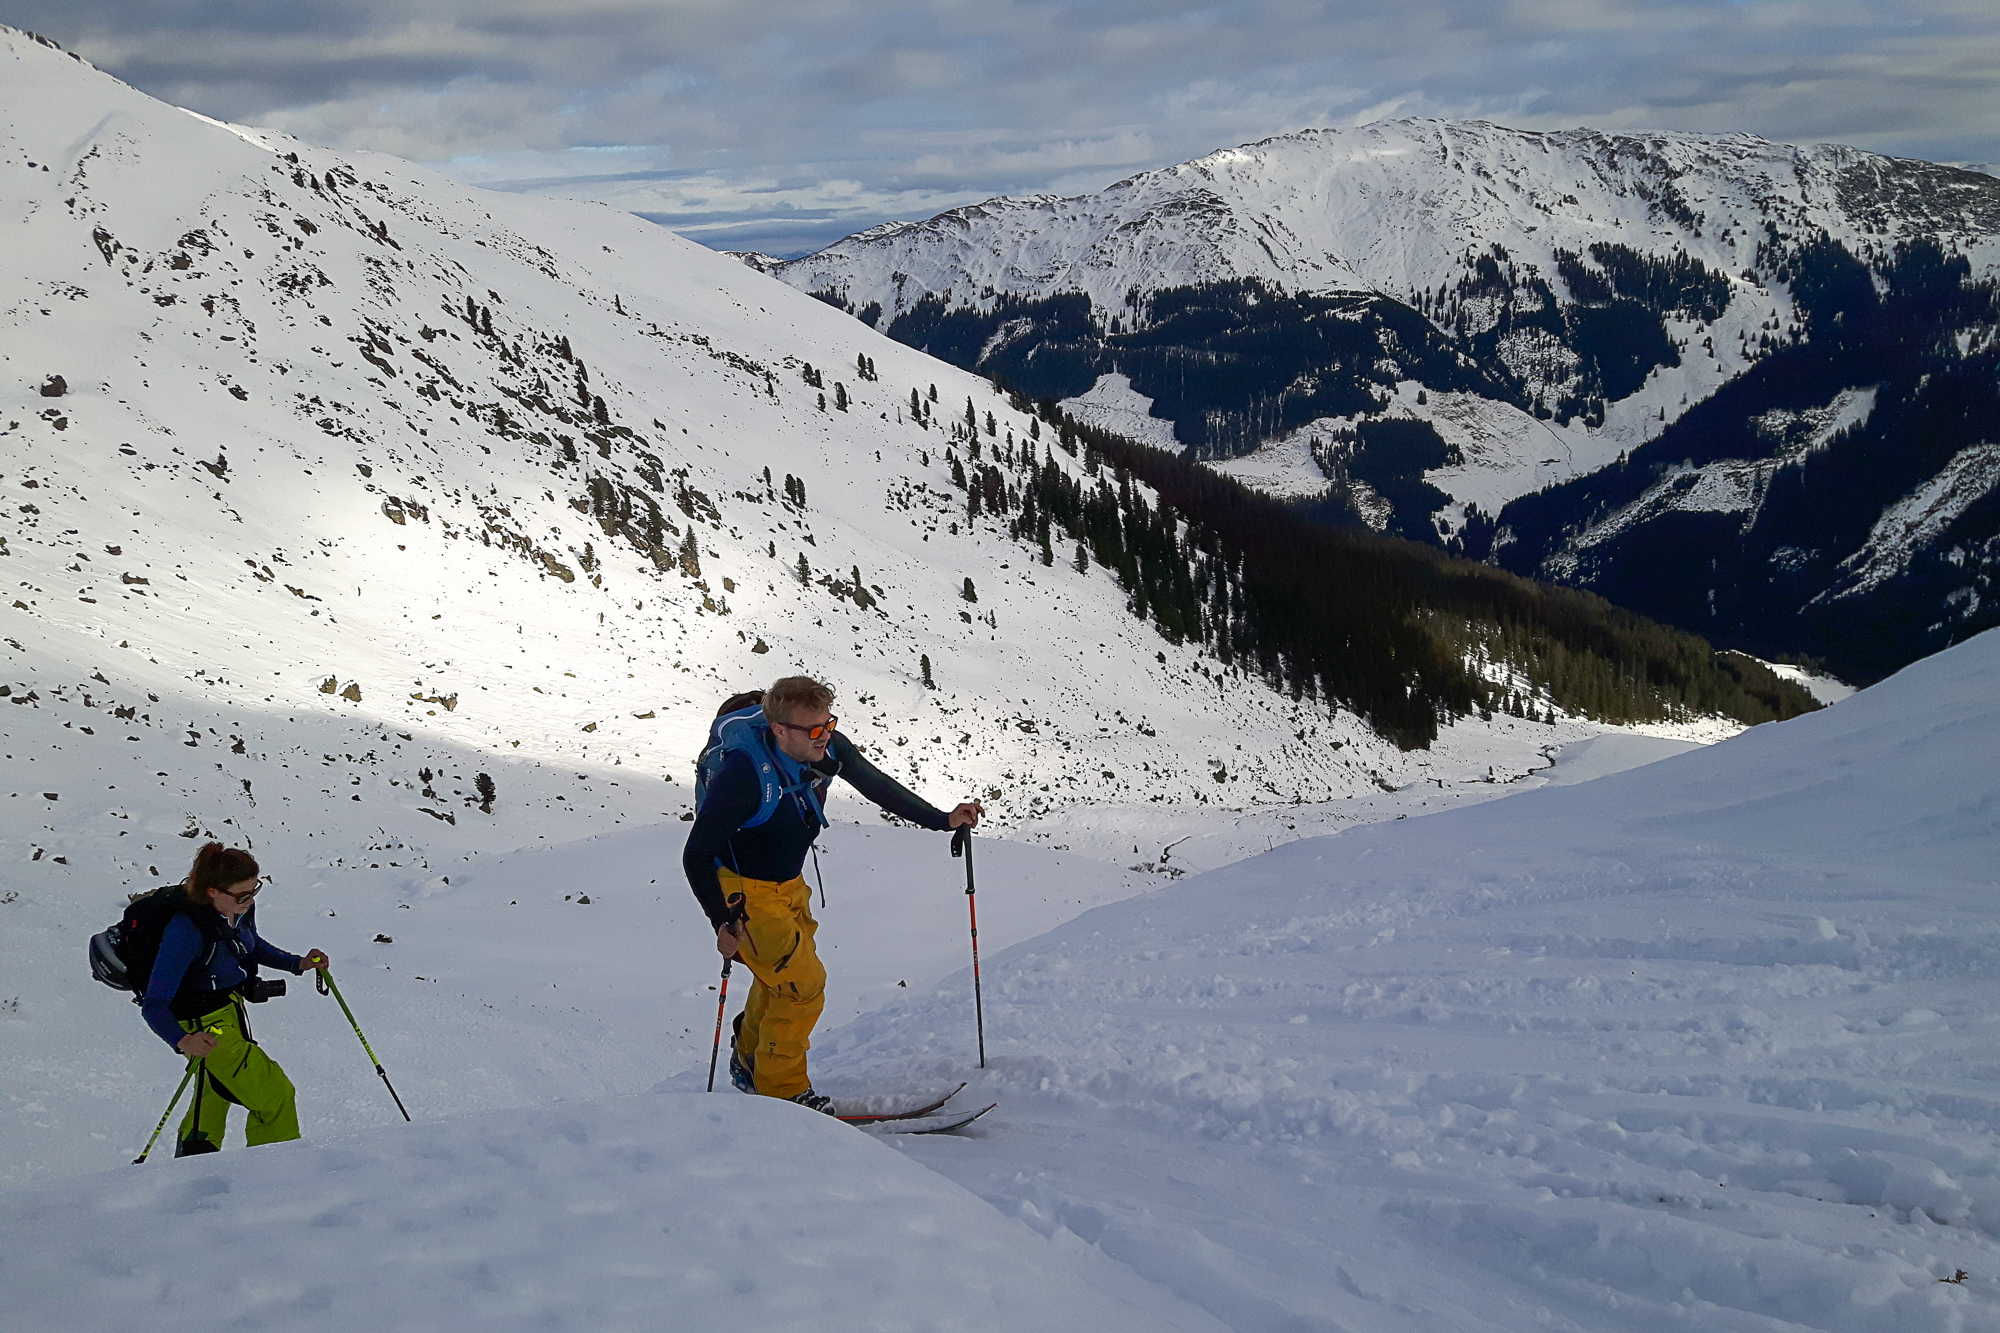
<point>1431,328</point>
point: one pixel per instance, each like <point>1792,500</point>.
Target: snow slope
<point>1703,1045</point>
<point>327,460</point>
<point>300,550</point>
<point>628,1213</point>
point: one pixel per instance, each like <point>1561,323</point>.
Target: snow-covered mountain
<point>328,479</point>
<point>1426,320</point>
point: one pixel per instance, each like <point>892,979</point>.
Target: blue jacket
<point>776,849</point>
<point>199,992</point>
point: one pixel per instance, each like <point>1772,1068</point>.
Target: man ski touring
<point>763,777</point>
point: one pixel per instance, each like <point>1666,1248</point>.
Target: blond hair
<point>788,697</point>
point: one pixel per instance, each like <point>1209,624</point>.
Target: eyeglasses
<point>255,889</point>
<point>816,733</point>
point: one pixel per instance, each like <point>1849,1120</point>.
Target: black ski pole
<point>324,980</point>
<point>737,915</point>
<point>961,845</point>
<point>199,1066</point>
<point>721,1003</point>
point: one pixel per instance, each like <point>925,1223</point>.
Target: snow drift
<point>1702,1045</point>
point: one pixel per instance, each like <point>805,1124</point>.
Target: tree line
<point>1402,634</point>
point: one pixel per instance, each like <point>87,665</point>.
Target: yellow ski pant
<point>237,1072</point>
<point>790,986</point>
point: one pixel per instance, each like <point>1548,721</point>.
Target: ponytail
<point>217,867</point>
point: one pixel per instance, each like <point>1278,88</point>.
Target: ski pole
<point>721,1003</point>
<point>323,979</point>
<point>961,845</point>
<point>197,1067</point>
<point>737,915</point>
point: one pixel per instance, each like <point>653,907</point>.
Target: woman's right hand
<point>195,1045</point>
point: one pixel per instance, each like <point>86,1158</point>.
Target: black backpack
<point>121,955</point>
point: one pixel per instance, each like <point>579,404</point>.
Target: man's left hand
<point>965,816</point>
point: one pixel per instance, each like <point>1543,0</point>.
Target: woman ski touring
<point>758,792</point>
<point>205,970</point>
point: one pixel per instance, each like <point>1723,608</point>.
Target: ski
<point>932,1124</point>
<point>859,1116</point>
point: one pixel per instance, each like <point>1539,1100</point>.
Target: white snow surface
<point>625,1213</point>
<point>1826,689</point>
<point>1915,522</point>
<point>1739,486</point>
<point>1113,404</point>
<point>1703,1045</point>
<point>1698,1045</point>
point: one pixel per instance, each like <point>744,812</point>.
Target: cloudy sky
<point>783,125</point>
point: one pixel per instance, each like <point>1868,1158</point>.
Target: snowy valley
<point>334,488</point>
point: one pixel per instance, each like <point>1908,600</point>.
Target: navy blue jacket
<point>173,987</point>
<point>776,849</point>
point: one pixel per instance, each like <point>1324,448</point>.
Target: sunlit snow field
<point>1703,1044</point>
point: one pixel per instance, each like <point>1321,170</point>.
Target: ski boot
<point>742,1075</point>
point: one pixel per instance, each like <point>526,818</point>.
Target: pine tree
<point>690,555</point>
<point>924,661</point>
<point>840,396</point>
<point>483,784</point>
<point>805,569</point>
<point>598,412</point>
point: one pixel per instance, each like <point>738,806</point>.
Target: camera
<point>259,989</point>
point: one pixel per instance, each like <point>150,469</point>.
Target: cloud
<point>826,116</point>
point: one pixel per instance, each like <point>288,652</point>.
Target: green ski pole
<point>192,1070</point>
<point>324,980</point>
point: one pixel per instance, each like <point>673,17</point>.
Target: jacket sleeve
<point>269,954</point>
<point>884,790</point>
<point>180,945</point>
<point>733,797</point>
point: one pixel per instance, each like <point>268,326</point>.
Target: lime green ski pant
<point>237,1073</point>
<point>790,986</point>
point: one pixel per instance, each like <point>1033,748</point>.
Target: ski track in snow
<point>1705,1045</point>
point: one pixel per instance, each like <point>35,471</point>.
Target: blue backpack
<point>740,728</point>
